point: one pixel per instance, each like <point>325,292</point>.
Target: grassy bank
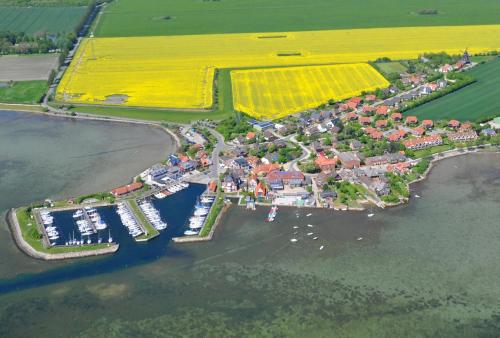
<point>31,235</point>
<point>151,231</point>
<point>29,92</point>
<point>20,107</point>
<point>212,216</point>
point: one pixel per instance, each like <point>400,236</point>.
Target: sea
<point>425,269</point>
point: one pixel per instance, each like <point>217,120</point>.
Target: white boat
<point>309,233</point>
<point>110,239</point>
<point>308,215</point>
<point>293,240</point>
<point>315,238</point>
<point>359,238</point>
<point>191,232</point>
<point>370,215</point>
<point>321,247</point>
<point>310,225</point>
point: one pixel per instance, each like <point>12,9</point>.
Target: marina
<point>199,215</point>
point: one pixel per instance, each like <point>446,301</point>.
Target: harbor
<point>83,228</point>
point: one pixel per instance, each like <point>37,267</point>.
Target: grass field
<point>40,19</point>
<point>391,67</point>
<point>473,102</point>
<point>176,17</point>
<point>23,92</point>
<point>177,71</point>
<point>273,93</point>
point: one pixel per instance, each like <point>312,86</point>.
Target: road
<point>219,146</point>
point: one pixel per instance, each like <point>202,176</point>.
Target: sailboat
<point>110,239</point>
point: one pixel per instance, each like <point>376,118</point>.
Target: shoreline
<point>23,246</point>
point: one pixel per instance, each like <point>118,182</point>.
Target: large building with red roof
<point>423,142</point>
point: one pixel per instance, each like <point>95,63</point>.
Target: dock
<point>87,218</point>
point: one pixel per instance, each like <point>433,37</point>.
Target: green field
<point>31,20</point>
<point>391,67</point>
<point>224,107</point>
<point>473,102</point>
<point>176,17</point>
<point>23,92</point>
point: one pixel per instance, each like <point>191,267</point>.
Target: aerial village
<point>347,155</point>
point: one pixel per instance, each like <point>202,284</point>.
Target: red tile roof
<point>365,120</point>
<point>250,135</point>
<point>396,116</point>
<point>422,140</point>
<point>382,110</point>
<point>454,123</point>
<point>419,131</point>
<point>427,123</point>
<point>381,123</point>
<point>370,97</point>
<point>323,161</point>
<point>265,168</point>
<point>376,135</point>
<point>351,116</point>
<point>127,188</point>
<point>411,119</point>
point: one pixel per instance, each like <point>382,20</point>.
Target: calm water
<point>44,157</point>
<point>429,269</point>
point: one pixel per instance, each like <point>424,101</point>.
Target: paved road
<point>219,146</point>
<point>305,154</point>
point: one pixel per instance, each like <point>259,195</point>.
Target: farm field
<point>273,93</point>
<point>177,71</point>
<point>23,92</point>
<point>184,17</point>
<point>22,68</point>
<point>391,67</point>
<point>476,101</point>
<point>50,19</point>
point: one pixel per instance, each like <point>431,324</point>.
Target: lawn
<point>476,101</point>
<point>151,231</point>
<point>432,150</point>
<point>50,19</point>
<point>180,17</point>
<point>391,67</point>
<point>23,92</point>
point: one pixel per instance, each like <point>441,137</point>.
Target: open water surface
<point>427,269</point>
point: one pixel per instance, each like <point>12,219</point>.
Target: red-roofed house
<point>352,105</point>
<point>365,120</point>
<point>381,124</point>
<point>399,168</point>
<point>343,107</point>
<point>260,190</point>
<point>351,116</point>
<point>419,131</point>
<point>264,169</point>
<point>394,137</point>
<point>396,116</point>
<point>465,126</point>
<point>411,120</point>
<point>127,189</point>
<point>368,110</point>
<point>428,124</point>
<point>369,130</point>
<point>325,163</point>
<point>423,142</point>
<point>250,135</point>
<point>382,110</point>
<point>356,100</point>
<point>377,135</point>
<point>454,124</point>
<point>370,98</point>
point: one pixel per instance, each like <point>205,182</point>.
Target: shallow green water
<point>428,269</point>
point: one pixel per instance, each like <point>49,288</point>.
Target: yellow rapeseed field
<point>178,71</point>
<point>273,93</point>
